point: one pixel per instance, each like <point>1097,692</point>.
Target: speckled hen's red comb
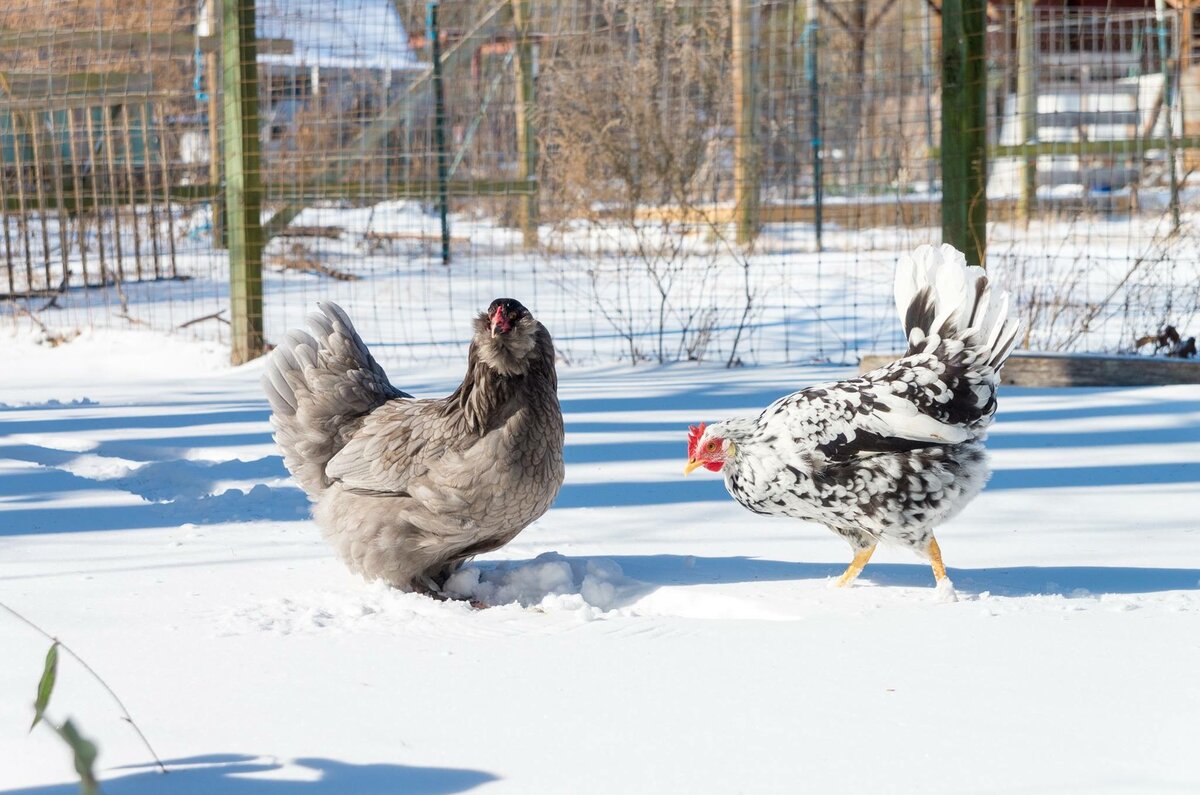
<point>694,434</point>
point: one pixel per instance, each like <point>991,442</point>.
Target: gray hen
<point>406,490</point>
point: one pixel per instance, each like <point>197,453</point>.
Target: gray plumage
<point>406,489</point>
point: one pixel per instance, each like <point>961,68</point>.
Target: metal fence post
<point>812,30</point>
<point>433,31</point>
<point>243,179</point>
<point>212,65</point>
<point>964,127</point>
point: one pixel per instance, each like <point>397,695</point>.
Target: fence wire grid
<point>728,181</point>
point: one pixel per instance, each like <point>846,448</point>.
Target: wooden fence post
<point>243,179</point>
<point>526,132</point>
<point>1027,105</point>
<point>964,127</point>
<point>745,161</point>
<point>1168,57</point>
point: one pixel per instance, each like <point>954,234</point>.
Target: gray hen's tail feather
<point>320,384</point>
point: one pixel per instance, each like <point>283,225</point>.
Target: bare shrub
<point>633,123</point>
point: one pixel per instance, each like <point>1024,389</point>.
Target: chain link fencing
<point>726,181</point>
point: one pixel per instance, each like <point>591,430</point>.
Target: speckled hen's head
<point>706,448</point>
<point>506,335</point>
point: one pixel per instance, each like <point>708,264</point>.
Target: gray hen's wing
<point>397,443</point>
<point>320,385</point>
<point>411,448</point>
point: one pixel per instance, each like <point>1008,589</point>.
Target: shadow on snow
<point>656,571</point>
<point>175,489</point>
<point>229,774</point>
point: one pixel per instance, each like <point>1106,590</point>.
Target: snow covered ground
<point>656,637</point>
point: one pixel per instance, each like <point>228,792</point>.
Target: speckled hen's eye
<point>711,447</point>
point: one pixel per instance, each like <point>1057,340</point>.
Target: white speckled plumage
<point>408,489</point>
<point>892,454</point>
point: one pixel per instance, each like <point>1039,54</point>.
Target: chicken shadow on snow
<point>651,572</point>
<point>176,488</point>
<point>229,774</point>
<point>172,485</point>
<point>236,411</point>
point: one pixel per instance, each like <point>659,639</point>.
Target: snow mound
<point>50,404</point>
<point>98,467</point>
<point>944,591</point>
<point>549,581</point>
<point>547,594</point>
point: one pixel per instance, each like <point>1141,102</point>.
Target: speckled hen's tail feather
<point>320,384</point>
<point>950,309</point>
<point>959,326</point>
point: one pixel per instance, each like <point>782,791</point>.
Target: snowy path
<point>673,643</point>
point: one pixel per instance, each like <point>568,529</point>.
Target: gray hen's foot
<point>434,591</point>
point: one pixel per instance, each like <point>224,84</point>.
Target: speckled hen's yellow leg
<point>935,560</point>
<point>856,566</point>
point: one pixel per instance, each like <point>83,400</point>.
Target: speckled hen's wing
<point>898,407</point>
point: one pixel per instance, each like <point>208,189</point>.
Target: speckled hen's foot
<point>861,557</point>
<point>945,591</point>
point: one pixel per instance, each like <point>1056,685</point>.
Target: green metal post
<point>812,29</point>
<point>964,127</point>
<point>439,125</point>
<point>243,179</point>
<point>211,75</point>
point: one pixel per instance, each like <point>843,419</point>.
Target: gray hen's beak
<point>500,324</point>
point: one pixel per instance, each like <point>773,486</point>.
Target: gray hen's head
<point>506,335</point>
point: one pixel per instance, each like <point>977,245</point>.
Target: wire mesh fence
<point>728,180</point>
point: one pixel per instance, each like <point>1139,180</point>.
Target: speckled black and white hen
<point>408,489</point>
<point>890,455</point>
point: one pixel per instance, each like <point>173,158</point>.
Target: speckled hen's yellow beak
<point>691,464</point>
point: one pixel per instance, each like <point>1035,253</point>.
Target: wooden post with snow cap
<point>243,179</point>
<point>964,127</point>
